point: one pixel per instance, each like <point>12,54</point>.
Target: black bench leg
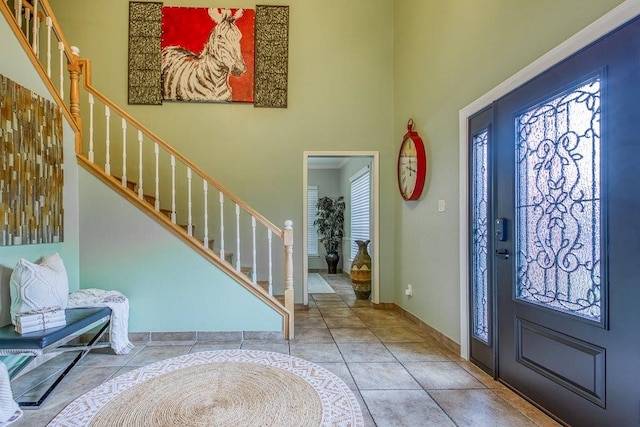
<point>40,401</point>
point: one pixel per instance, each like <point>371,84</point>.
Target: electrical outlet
<point>409,290</point>
<point>442,206</point>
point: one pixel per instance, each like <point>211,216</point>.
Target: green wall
<point>446,55</point>
<point>358,71</point>
<point>340,98</point>
<point>15,65</point>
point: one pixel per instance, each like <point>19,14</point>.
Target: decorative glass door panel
<point>557,220</point>
<point>479,238</point>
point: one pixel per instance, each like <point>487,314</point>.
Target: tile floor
<point>400,376</point>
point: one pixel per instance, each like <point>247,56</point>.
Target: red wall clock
<point>412,164</point>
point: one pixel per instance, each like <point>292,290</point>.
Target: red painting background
<point>189,27</point>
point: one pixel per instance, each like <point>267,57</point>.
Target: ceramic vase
<point>361,271</point>
<point>332,259</point>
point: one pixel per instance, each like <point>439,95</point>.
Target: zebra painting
<point>187,76</point>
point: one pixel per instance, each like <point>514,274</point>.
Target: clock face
<point>408,168</point>
<point>412,165</point>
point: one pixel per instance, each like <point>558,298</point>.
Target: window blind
<point>312,233</point>
<point>360,196</point>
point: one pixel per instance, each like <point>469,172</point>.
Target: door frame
<point>375,213</point>
<point>605,24</point>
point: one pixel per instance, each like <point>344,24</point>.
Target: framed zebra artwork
<point>207,54</point>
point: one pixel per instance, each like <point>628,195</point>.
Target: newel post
<point>288,272</point>
<point>75,70</point>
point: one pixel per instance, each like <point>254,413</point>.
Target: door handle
<point>502,253</point>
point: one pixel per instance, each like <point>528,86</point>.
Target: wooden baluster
<point>189,205</point>
<point>75,69</point>
<point>222,226</point>
<point>91,153</point>
<point>62,62</point>
<point>140,181</point>
<point>124,152</point>
<point>49,27</point>
<point>173,189</point>
<point>156,151</point>
<point>36,24</point>
<point>205,239</point>
<point>107,165</point>
<point>288,272</point>
<point>238,237</point>
<point>254,263</point>
<point>270,239</point>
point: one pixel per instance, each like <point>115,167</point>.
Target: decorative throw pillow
<point>38,286</point>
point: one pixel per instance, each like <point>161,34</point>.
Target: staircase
<point>148,172</point>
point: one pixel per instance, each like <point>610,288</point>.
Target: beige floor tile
<point>479,408</point>
<point>365,352</point>
<point>353,335</point>
<point>327,297</point>
<point>310,322</point>
<point>416,352</point>
<point>315,335</point>
<point>403,408</point>
<point>316,352</point>
<point>333,311</point>
<point>401,334</point>
<point>215,346</point>
<point>382,376</point>
<point>442,375</point>
<point>344,322</point>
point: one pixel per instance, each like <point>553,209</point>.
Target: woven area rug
<point>317,285</point>
<point>219,388</point>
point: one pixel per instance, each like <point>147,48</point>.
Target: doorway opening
<point>331,173</point>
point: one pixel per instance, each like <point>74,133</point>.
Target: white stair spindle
<point>107,165</point>
<point>205,239</point>
<point>189,205</point>
<point>140,182</point>
<point>270,239</point>
<point>254,263</point>
<point>157,178</point>
<point>124,152</point>
<point>222,226</point>
<point>173,189</point>
<point>91,102</point>
<point>62,62</point>
<point>49,26</point>
<point>18,11</point>
<point>237,237</point>
<point>27,22</point>
<point>36,22</point>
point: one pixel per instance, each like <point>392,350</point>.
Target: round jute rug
<point>218,388</point>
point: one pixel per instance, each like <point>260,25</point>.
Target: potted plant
<point>330,224</point>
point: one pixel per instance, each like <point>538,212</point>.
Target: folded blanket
<point>9,410</point>
<point>119,305</point>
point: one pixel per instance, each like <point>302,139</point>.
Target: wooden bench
<point>55,340</point>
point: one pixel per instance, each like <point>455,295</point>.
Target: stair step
<point>131,185</point>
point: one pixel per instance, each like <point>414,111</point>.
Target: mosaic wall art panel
<point>31,167</point>
<point>272,56</point>
<point>145,32</point>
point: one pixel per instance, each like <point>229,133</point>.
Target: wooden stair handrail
<point>85,66</point>
<point>57,30</point>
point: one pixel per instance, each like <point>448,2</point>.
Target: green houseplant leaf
<point>330,223</point>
